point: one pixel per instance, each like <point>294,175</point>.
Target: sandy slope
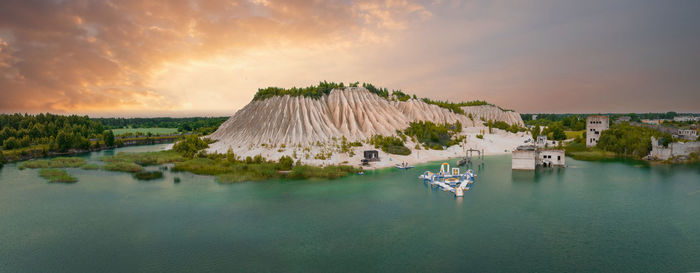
<point>309,127</point>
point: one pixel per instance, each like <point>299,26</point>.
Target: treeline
<point>60,133</point>
<point>513,128</point>
<point>314,91</point>
<point>456,107</point>
<point>324,88</point>
<point>636,117</point>
<point>203,125</point>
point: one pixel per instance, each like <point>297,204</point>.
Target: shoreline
<point>14,156</point>
<point>330,153</point>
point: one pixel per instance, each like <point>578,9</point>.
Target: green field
<point>573,134</point>
<point>154,131</point>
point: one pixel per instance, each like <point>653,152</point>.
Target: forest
<point>47,132</point>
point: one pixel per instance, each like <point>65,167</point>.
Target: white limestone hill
<point>353,112</point>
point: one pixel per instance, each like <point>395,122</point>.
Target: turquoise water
<point>593,216</point>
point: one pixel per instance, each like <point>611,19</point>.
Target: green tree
<point>64,140</point>
<point>190,146</point>
<point>11,143</point>
<point>535,132</point>
<point>108,137</point>
<point>558,133</point>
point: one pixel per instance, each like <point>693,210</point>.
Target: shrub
<point>480,136</point>
<point>431,134</point>
<point>143,175</point>
<point>286,163</point>
<point>390,144</point>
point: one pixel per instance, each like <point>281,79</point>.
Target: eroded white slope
<point>354,113</point>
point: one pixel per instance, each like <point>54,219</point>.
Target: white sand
<point>500,142</point>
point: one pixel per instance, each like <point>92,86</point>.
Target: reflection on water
<point>548,220</point>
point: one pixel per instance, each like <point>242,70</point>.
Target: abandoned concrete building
<point>594,126</point>
<point>528,157</point>
<point>675,149</point>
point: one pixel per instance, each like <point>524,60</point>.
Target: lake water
<point>590,217</point>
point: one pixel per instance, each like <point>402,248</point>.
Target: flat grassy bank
<point>239,171</point>
<point>57,162</point>
<point>188,155</point>
<point>144,131</point>
<point>226,167</point>
<point>57,175</point>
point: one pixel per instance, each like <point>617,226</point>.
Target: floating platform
<point>450,179</point>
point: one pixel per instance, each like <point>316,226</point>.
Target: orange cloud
<point>101,55</point>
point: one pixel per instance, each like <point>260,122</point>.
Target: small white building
<point>594,126</point>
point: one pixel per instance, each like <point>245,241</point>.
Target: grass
<point>90,167</point>
<point>592,155</point>
<point>144,175</point>
<point>57,175</point>
<point>145,159</point>
<point>120,166</point>
<point>57,162</point>
<point>154,131</point>
<point>573,134</point>
<point>232,172</point>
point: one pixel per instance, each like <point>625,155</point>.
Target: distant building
<point>594,126</point>
<point>688,134</point>
<point>541,141</point>
<point>653,121</point>
<point>624,119</point>
<point>534,117</point>
<point>686,118</point>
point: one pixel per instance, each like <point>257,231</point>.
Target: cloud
<point>102,55</point>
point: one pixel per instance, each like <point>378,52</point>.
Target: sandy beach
<point>499,142</point>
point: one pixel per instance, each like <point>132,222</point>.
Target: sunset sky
<point>185,58</point>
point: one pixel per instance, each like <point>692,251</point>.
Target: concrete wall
<point>680,148</point>
<point>523,160</point>
<point>674,149</point>
<point>556,157</point>
<point>594,126</point>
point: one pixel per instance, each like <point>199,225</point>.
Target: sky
<point>208,58</point>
